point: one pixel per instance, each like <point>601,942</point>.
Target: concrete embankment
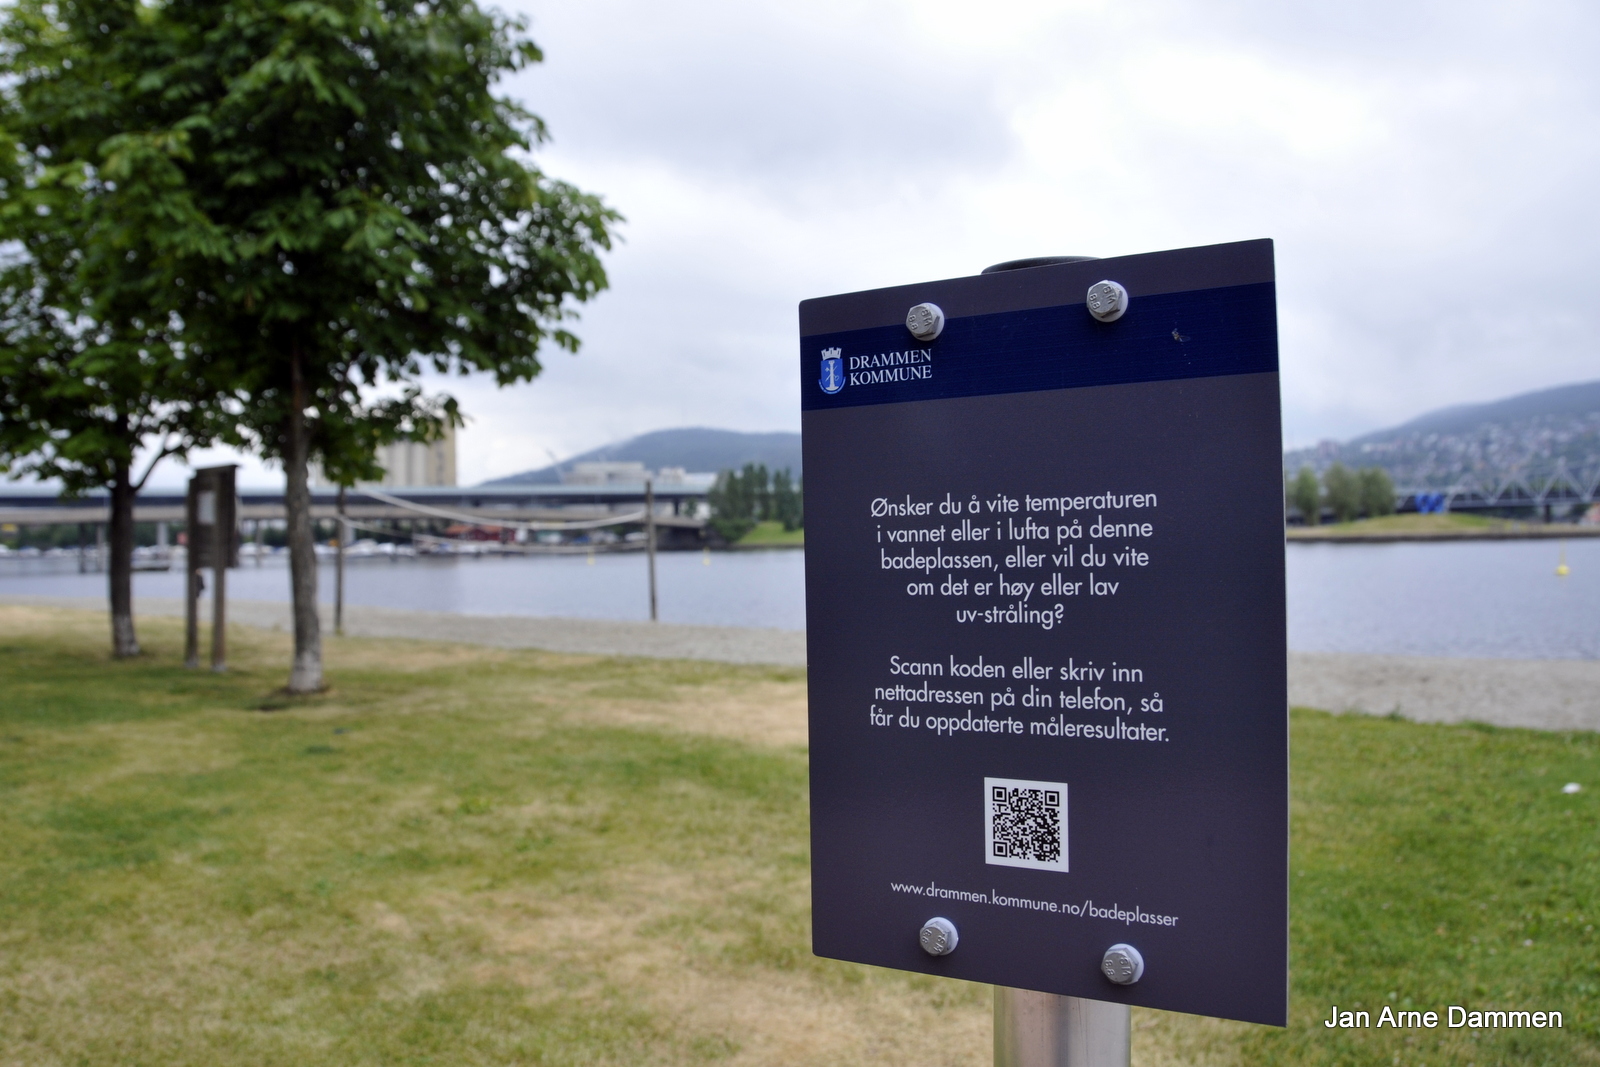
<point>1530,534</point>
<point>1377,533</point>
<point>724,644</point>
<point>1542,694</point>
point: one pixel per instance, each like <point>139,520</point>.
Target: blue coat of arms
<point>832,379</point>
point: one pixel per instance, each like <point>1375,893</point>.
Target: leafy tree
<point>788,503</point>
<point>91,364</point>
<point>347,205</point>
<point>736,501</point>
<point>80,399</point>
<point>740,499</point>
<point>1343,491</point>
<point>1306,495</point>
<point>1377,492</point>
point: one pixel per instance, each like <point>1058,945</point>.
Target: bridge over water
<point>676,504</point>
<point>1559,488</point>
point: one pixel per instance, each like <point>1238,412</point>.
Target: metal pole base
<point>1044,1030</point>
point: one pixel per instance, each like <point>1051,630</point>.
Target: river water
<point>1477,599</point>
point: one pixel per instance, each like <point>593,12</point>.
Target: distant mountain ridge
<point>695,449</point>
<point>1551,434</point>
<point>1531,437</point>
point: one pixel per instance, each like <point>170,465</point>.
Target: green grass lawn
<point>1452,524</point>
<point>773,533</point>
<point>1410,523</point>
<point>478,856</point>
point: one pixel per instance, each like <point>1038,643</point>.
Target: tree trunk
<point>124,642</point>
<point>306,674</point>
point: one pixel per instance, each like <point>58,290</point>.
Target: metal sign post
<point>338,581</point>
<point>650,539</point>
<point>212,532</point>
<point>224,537</point>
<point>1044,1030</point>
<point>1045,640</point>
<point>192,581</point>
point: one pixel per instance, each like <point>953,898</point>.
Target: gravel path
<point>724,644</point>
<point>1546,694</point>
<point>1543,694</point>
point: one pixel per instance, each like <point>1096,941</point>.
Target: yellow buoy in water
<point>591,557</point>
<point>1562,570</point>
<point>705,557</point>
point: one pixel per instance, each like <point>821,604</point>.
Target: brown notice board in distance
<point>211,516</point>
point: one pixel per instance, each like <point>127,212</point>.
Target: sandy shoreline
<point>723,644</point>
<point>1542,694</point>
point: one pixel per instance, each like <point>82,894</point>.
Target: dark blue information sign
<point>1045,618</point>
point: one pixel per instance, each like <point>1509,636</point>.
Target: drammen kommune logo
<point>907,366</point>
<point>832,379</point>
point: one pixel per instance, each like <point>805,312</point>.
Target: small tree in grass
<point>788,502</point>
<point>742,498</point>
<point>81,396</point>
<point>350,204</point>
<point>1306,495</point>
<point>736,500</point>
<point>92,363</point>
<point>1377,492</point>
<point>1343,492</point>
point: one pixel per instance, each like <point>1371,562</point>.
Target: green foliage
<point>735,500</point>
<point>91,357</point>
<point>326,195</point>
<point>63,535</point>
<point>1377,492</point>
<point>1343,492</point>
<point>316,201</point>
<point>741,499</point>
<point>82,392</point>
<point>1348,494</point>
<point>788,503</point>
<point>1306,495</point>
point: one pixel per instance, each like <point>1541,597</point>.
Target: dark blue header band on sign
<point>1200,333</point>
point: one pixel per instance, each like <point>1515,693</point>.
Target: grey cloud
<point>756,93</point>
<point>1441,253</point>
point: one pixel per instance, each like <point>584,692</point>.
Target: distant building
<point>620,473</point>
<point>602,473</point>
<point>410,464</point>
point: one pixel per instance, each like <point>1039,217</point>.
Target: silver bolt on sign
<point>938,937</point>
<point>1122,964</point>
<point>925,321</point>
<point>1107,301</point>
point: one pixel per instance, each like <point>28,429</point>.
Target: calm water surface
<point>732,589</point>
<point>1485,598</point>
<point>1474,598</point>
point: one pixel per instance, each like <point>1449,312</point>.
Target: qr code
<point>1025,823</point>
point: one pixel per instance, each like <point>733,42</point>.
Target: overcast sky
<point>1428,171</point>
